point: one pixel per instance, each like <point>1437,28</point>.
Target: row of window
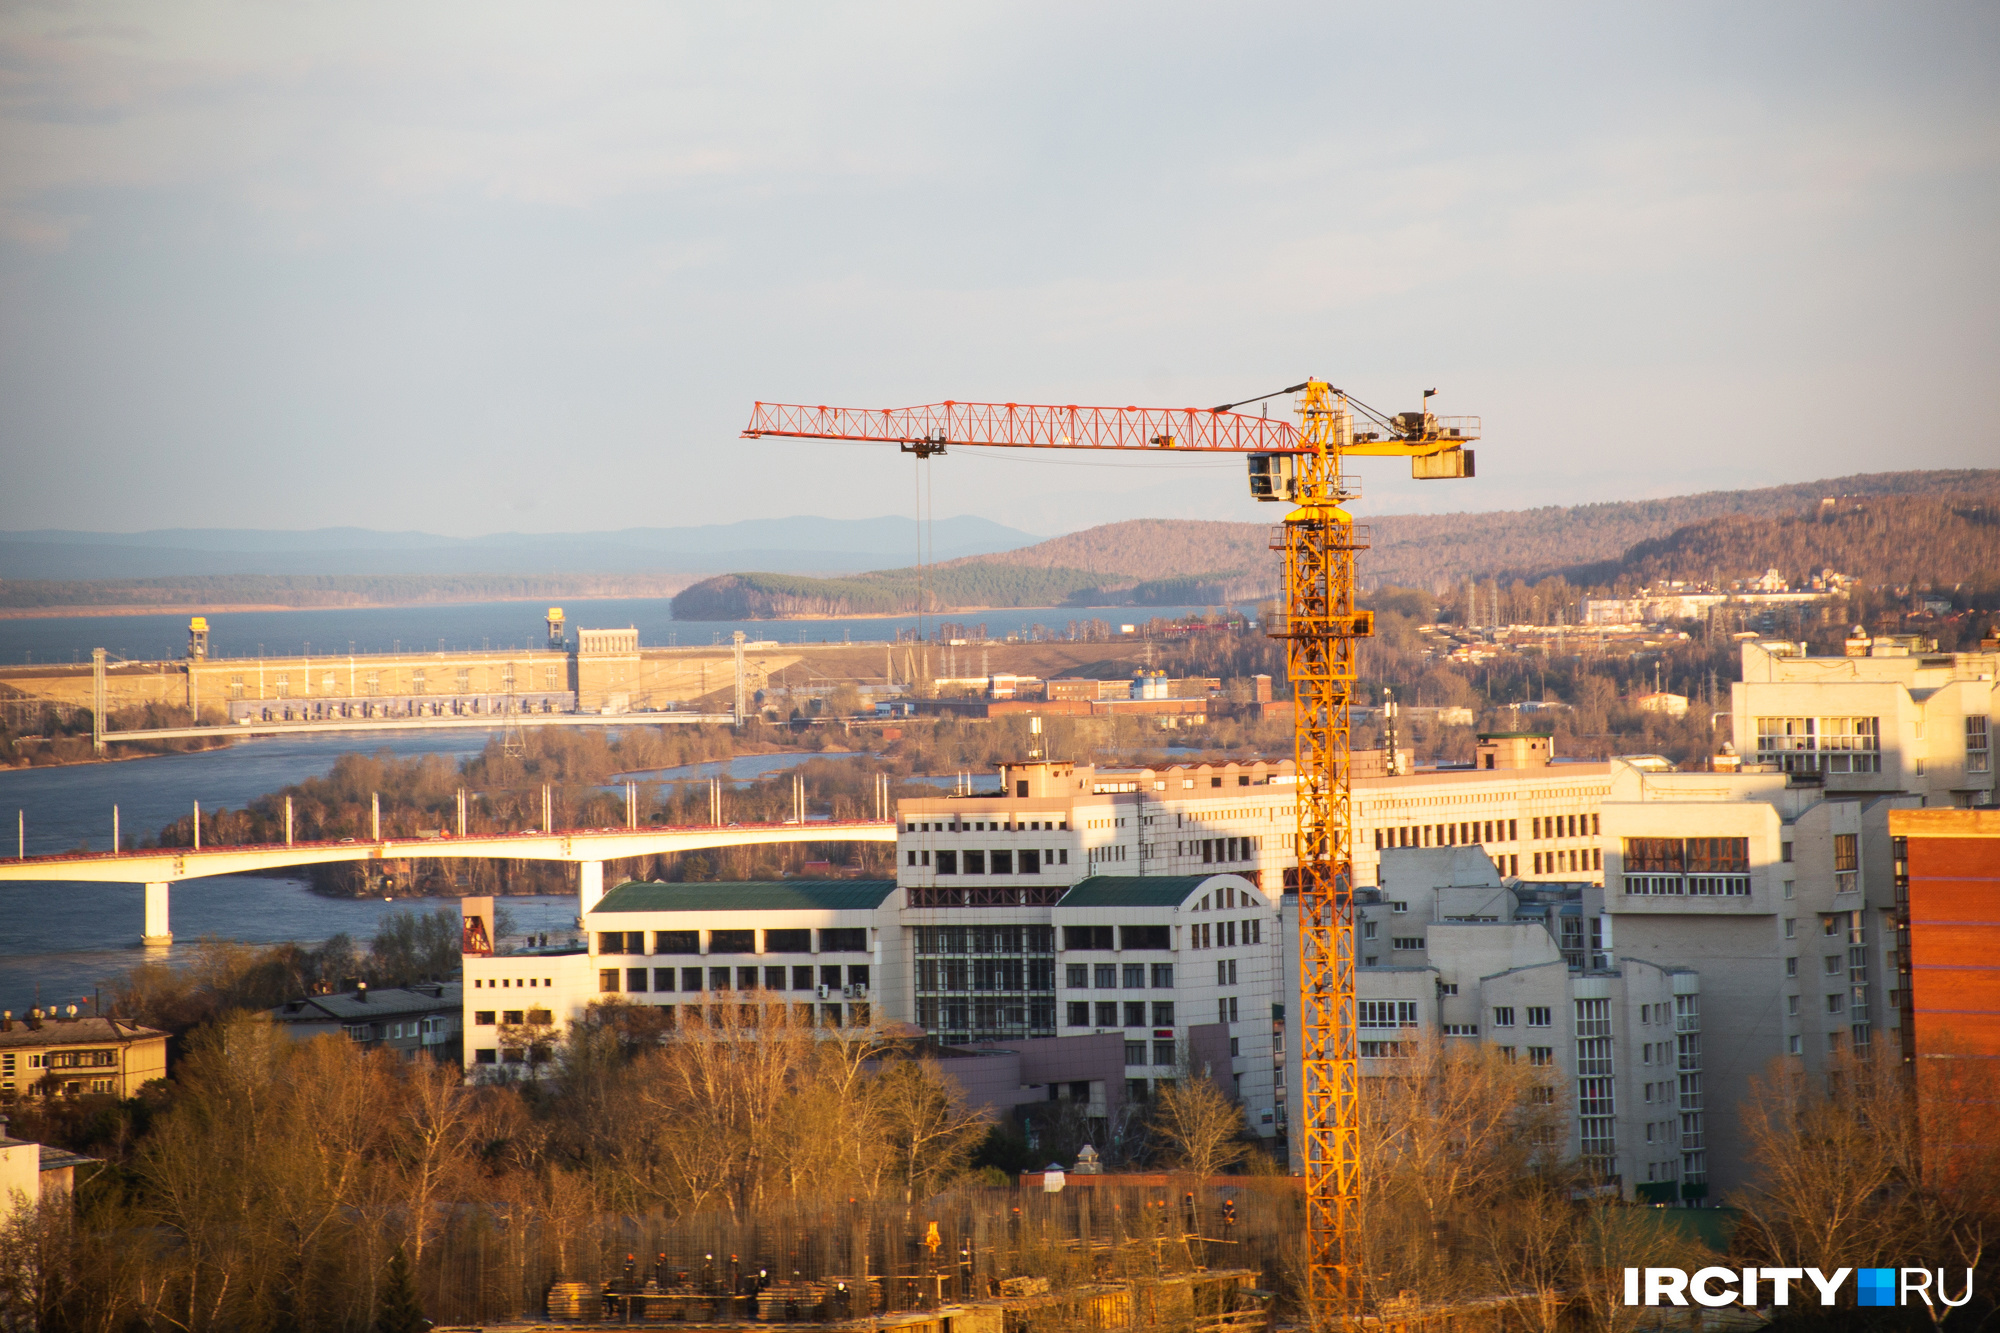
<point>553,677</point>
<point>1107,1014</point>
<point>1225,934</point>
<point>503,983</point>
<point>1105,976</point>
<point>1216,850</point>
<point>1573,859</point>
<point>841,939</point>
<point>991,861</point>
<point>986,974</point>
<point>642,979</point>
<point>958,824</point>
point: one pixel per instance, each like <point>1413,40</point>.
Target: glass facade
<point>986,983</point>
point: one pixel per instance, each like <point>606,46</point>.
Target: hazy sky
<point>475,268</point>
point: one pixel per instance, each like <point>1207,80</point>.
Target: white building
<point>1922,724</point>
<point>1453,952</point>
<point>1782,893</point>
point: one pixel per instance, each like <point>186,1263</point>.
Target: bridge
<point>588,848</point>
<point>478,722</point>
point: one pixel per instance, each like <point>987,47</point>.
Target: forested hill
<point>1893,527</point>
<point>1424,549</point>
<point>1880,540</point>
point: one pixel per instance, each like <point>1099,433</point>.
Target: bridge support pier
<point>157,935</point>
<point>589,885</point>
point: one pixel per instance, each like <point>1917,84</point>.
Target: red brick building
<point>1948,895</point>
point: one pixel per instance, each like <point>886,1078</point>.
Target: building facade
<point>51,1054</point>
<point>407,1020</point>
<point>1454,952</point>
<point>1891,721</point>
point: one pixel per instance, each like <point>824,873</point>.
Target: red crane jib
<point>1033,426</point>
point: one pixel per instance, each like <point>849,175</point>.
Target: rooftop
<point>54,1031</point>
<point>385,1003</point>
<point>1133,890</point>
<point>748,896</point>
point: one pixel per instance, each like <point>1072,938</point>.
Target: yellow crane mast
<point>1321,627</point>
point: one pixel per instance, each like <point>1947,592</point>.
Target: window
<point>1503,1016</point>
<point>1791,967</point>
<point>947,863</point>
<point>1538,1016</point>
<point>1135,1054</point>
<point>1792,1006</point>
<point>1407,942</point>
<point>1399,908</point>
<point>1079,1014</point>
<point>1978,752</point>
<point>1820,744</point>
<point>732,941</point>
<point>1832,964</point>
<point>1541,1055</point>
<point>1163,1013</point>
<point>1388,1013</point>
<point>788,941</point>
<point>1107,1014</point>
<point>1381,1050</point>
<point>1087,937</point>
<point>236,686</point>
<point>691,978</point>
<point>482,1018</point>
<point>663,978</point>
<point>1447,988</point>
<point>1135,976</point>
<point>1835,1003</point>
<point>1107,975</point>
<point>1794,1045</point>
<point>1163,1053</point>
<point>607,981</point>
<point>1846,862</point>
<point>975,862</point>
<point>844,939</point>
<point>1368,930</point>
<point>1461,1029</point>
<point>1148,937</point>
<point>1135,1013</point>
<point>1076,976</point>
<point>1003,863</point>
<point>676,942</point>
<point>1163,976</point>
<point>486,1056</point>
<point>1791,928</point>
<point>635,978</point>
<point>418,683</point>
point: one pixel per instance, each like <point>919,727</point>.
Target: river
<point>456,626</point>
<point>59,941</point>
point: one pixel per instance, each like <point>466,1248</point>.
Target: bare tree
<point>927,1129</point>
<point>1197,1128</point>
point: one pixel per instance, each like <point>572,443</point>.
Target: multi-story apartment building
<point>52,1054</point>
<point>1782,892</point>
<point>1452,951</point>
<point>1922,724</point>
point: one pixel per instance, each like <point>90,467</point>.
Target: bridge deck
<point>167,864</point>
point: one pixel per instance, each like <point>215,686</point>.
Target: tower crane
<point>1321,627</point>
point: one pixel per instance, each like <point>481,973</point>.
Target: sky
<point>475,268</point>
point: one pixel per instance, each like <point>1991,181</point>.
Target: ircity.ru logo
<point>1742,1286</point>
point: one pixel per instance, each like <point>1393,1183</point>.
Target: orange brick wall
<point>1955,943</point>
